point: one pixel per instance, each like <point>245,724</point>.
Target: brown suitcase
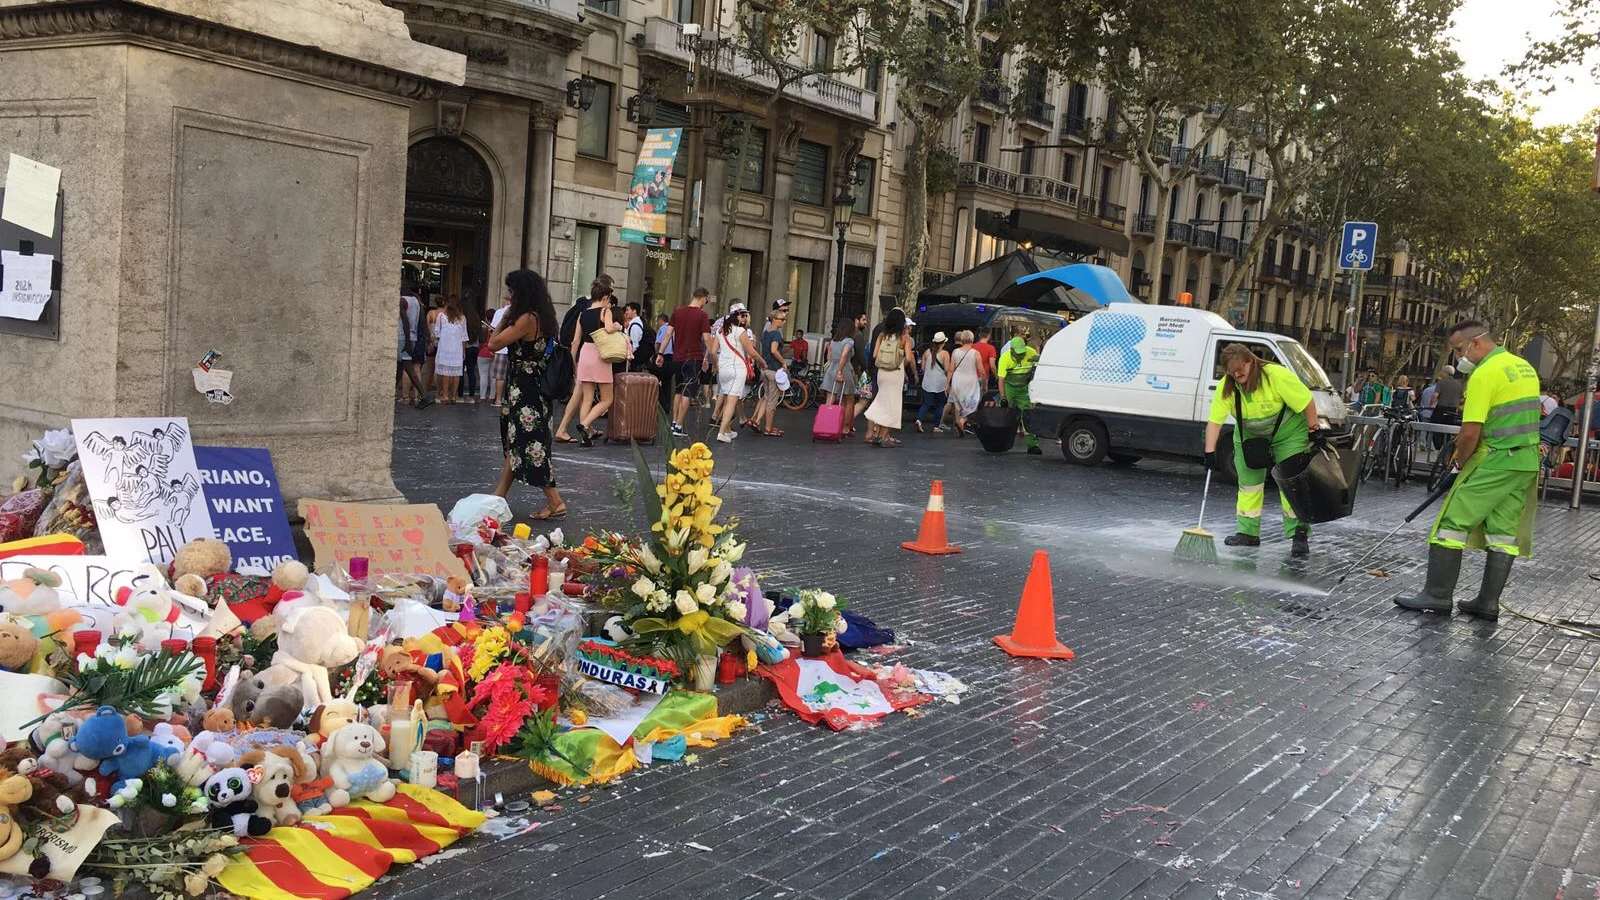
<point>634,408</point>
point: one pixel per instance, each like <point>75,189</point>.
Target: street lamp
<point>1141,287</point>
<point>844,206</point>
<point>580,93</point>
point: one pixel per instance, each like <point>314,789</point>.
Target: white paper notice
<point>31,195</point>
<point>24,284</point>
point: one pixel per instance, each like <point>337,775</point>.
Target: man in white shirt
<point>409,328</point>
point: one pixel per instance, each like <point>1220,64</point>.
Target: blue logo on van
<point>1157,382</point>
<point>1111,356</point>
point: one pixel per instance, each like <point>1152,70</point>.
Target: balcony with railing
<point>1048,189</point>
<point>1271,271</point>
<point>1233,179</point>
<point>995,94</point>
<point>1144,224</point>
<point>1040,112</point>
<point>1102,209</point>
<point>1228,246</point>
<point>1255,187</point>
<point>1181,154</point>
<point>1180,232</point>
<point>1205,239</point>
<point>1074,126</point>
<point>1161,149</point>
<point>1211,169</point>
<point>665,37</point>
<point>970,174</point>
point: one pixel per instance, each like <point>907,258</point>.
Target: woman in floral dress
<point>525,434</point>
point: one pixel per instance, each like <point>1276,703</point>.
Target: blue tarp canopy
<point>1101,284</point>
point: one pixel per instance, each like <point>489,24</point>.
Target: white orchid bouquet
<point>682,603</point>
<point>48,458</point>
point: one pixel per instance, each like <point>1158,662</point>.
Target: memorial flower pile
<point>683,604</point>
<point>816,612</point>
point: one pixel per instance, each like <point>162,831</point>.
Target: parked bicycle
<point>805,386</point>
<point>1392,447</point>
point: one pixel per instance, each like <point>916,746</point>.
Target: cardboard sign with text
<point>396,539</point>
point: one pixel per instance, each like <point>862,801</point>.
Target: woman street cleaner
<point>1274,418</point>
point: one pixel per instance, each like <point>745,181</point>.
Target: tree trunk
<point>730,212</point>
<point>916,221</point>
<point>1280,202</point>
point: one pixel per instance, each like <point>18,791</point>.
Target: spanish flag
<point>332,857</point>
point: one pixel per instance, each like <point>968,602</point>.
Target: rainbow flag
<point>332,857</point>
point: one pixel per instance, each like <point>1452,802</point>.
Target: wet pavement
<point>1248,730</point>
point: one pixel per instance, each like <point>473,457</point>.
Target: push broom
<point>1198,544</point>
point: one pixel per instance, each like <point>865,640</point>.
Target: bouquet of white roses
<point>48,458</point>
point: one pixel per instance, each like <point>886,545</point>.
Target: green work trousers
<point>1493,502</point>
<point>1291,439</point>
<point>1016,397</point>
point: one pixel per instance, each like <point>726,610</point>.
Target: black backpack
<point>646,354</point>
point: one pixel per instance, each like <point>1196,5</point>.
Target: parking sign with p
<point>1359,247</point>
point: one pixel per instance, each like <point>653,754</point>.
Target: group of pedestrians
<point>443,357</point>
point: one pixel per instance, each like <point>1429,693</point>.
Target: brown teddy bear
<point>398,667</point>
<point>53,794</point>
<point>17,646</point>
<point>205,557</point>
<point>14,791</point>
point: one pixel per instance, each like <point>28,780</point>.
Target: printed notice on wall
<point>31,195</point>
<point>24,284</point>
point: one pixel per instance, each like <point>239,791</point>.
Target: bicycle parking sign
<point>1359,246</point>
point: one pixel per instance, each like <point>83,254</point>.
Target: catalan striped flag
<point>332,857</point>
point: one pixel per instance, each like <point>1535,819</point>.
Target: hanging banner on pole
<point>645,220</point>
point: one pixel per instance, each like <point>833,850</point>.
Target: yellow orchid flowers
<point>687,501</point>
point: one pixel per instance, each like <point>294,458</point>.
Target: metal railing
<point>1228,246</point>
<point>1180,232</point>
<point>1074,126</point>
<point>1255,187</point>
<point>1233,179</point>
<point>994,94</point>
<point>1211,168</point>
<point>1042,113</point>
<point>1205,239</point>
<point>1049,189</point>
<point>1144,224</point>
<point>970,174</point>
<point>1102,209</point>
<point>1181,154</point>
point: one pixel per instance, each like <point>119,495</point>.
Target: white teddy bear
<point>353,758</point>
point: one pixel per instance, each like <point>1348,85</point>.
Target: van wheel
<point>1084,442</point>
<point>1123,459</point>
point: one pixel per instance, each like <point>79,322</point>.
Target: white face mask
<point>1465,366</point>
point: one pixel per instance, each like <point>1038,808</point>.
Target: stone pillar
<point>777,281</point>
<point>713,223</point>
<point>537,240</point>
<point>233,175</point>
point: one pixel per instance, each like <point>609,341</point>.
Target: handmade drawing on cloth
<point>142,476</point>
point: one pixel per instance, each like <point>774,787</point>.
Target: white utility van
<point>1132,380</point>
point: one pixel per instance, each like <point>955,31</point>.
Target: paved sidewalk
<point>1235,731</point>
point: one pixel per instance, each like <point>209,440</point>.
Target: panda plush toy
<point>228,792</point>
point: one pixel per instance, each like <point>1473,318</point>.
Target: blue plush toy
<point>104,736</point>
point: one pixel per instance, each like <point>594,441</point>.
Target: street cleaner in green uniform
<point>1015,370</point>
<point>1492,505</point>
<point>1274,418</point>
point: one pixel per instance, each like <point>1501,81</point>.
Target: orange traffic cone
<point>931,537</point>
<point>1035,631</point>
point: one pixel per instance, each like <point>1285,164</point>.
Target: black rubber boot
<point>1301,546</point>
<point>1496,569</point>
<point>1242,540</point>
<point>1444,568</point>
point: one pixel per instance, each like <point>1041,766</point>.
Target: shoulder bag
<point>1257,451</point>
<point>611,345</point>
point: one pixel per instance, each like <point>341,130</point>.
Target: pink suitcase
<point>829,424</point>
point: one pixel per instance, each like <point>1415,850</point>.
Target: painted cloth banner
<point>145,485</point>
<point>246,509</point>
<point>331,857</point>
<point>645,219</point>
<point>835,691</point>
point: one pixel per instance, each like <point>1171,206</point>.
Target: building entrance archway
<point>449,202</point>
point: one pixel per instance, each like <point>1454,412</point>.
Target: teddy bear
<point>228,793</point>
<point>398,667</point>
<point>212,742</point>
<point>289,588</point>
<point>15,790</point>
<point>255,702</point>
<point>455,590</point>
<point>273,793</point>
<point>310,642</point>
<point>18,646</point>
<point>32,594</point>
<point>166,741</point>
<point>52,741</point>
<point>204,557</point>
<point>53,795</point>
<point>104,736</point>
<point>353,758</point>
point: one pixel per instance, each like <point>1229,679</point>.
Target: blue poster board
<point>247,513</point>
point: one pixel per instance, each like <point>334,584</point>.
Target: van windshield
<point>1305,366</point>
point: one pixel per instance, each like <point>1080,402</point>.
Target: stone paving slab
<point>1248,730</point>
